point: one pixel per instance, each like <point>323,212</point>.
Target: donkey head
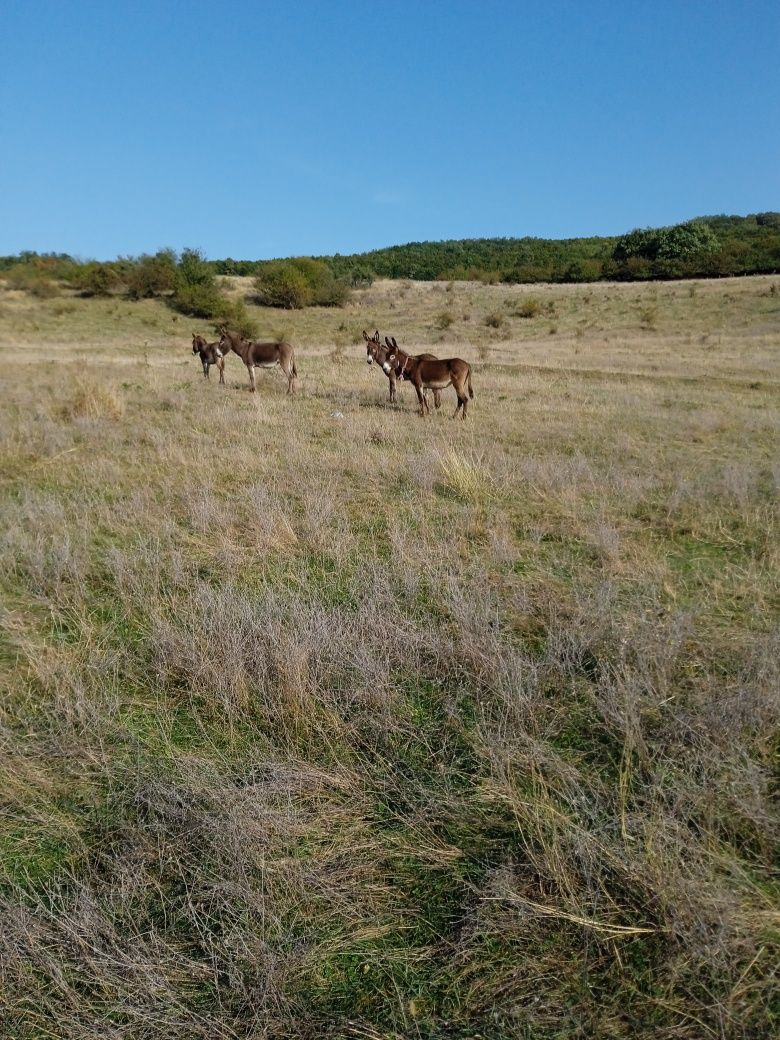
<point>372,346</point>
<point>391,359</point>
<point>198,342</point>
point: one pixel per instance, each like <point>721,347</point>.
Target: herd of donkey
<point>424,371</point>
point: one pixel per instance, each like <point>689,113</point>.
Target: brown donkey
<point>375,351</point>
<point>210,354</point>
<point>434,375</point>
<point>260,355</point>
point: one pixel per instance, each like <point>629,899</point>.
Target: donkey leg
<point>392,380</point>
<point>206,369</point>
<point>421,399</point>
<point>437,398</point>
<point>252,384</point>
<point>221,364</point>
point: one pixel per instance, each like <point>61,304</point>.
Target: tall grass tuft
<point>93,399</point>
<point>465,476</point>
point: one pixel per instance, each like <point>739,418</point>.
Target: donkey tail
<point>471,388</point>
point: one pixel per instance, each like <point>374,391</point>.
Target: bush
<point>31,279</point>
<point>199,301</point>
<point>495,320</point>
<point>152,275</point>
<point>529,308</point>
<point>97,279</point>
<point>283,285</point>
<point>198,295</point>
<point>443,320</point>
<point>301,282</point>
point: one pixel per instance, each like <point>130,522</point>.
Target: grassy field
<point>323,720</point>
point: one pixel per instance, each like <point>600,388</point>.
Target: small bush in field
<point>494,320</point>
<point>648,316</point>
<point>234,314</point>
<point>443,320</point>
<point>200,301</point>
<point>529,308</point>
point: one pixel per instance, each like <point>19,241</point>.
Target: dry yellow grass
<point>324,719</point>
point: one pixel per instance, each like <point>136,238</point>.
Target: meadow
<point>320,719</point>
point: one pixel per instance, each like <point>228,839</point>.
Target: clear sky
<point>271,129</point>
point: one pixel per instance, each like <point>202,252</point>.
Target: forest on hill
<point>706,247</point>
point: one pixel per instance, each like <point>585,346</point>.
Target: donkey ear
<point>365,335</point>
<point>388,343</point>
<point>395,345</point>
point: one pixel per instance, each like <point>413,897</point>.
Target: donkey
<point>432,374</point>
<point>260,355</point>
<point>210,354</point>
<point>375,351</point>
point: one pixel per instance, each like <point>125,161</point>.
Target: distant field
<point>323,720</point>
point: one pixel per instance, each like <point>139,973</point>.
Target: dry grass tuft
<point>465,475</point>
<point>93,399</point>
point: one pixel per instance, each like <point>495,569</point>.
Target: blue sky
<point>266,129</point>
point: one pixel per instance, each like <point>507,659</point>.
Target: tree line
<point>701,248</point>
<point>706,247</point>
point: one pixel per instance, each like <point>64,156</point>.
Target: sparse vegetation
<point>356,725</point>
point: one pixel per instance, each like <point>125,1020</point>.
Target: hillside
<point>743,245</point>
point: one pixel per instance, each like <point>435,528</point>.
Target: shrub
<point>443,320</point>
<point>97,279</point>
<point>301,282</point>
<point>197,294</point>
<point>495,320</point>
<point>31,279</point>
<point>529,308</point>
<point>234,314</point>
<point>282,285</point>
<point>152,275</point>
